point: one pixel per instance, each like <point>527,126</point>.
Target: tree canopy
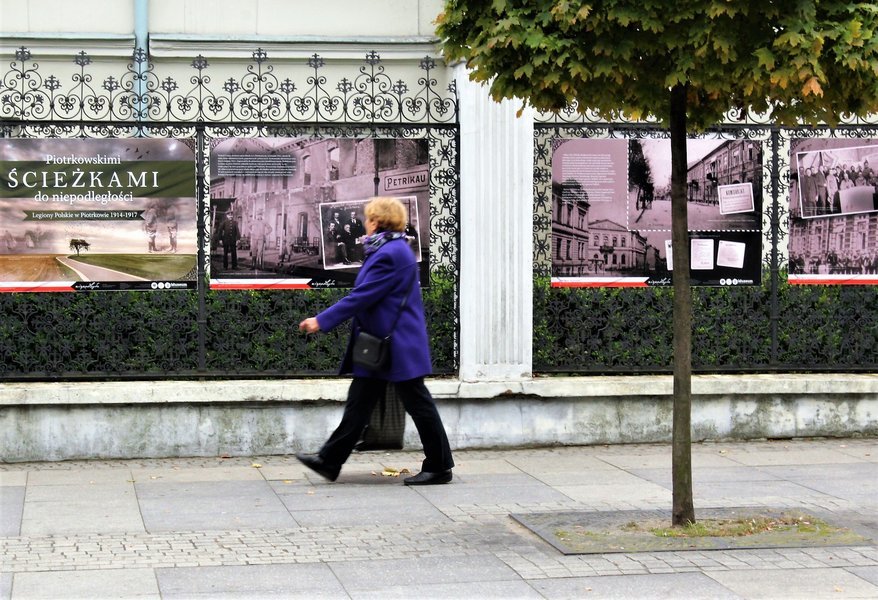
<point>686,64</point>
<point>800,60</point>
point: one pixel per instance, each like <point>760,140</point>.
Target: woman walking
<point>385,300</point>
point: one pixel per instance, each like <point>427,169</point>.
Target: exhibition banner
<point>611,212</point>
<point>288,213</point>
<point>833,211</point>
<point>93,215</point>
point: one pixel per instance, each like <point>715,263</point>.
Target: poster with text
<point>95,215</point>
<point>287,213</point>
<point>611,212</point>
<point>833,211</point>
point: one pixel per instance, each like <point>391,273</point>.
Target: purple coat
<point>387,275</point>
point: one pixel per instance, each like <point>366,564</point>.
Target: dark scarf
<point>371,243</point>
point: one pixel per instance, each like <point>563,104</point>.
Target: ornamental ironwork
<point>262,93</point>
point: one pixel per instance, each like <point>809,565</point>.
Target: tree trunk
<point>683,509</point>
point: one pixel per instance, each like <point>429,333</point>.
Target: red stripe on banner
<point>586,284</point>
<point>37,289</point>
<point>260,286</point>
<point>820,281</point>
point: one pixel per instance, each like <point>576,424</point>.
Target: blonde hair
<point>388,213</point>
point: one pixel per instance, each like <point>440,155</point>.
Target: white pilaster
<point>496,235</point>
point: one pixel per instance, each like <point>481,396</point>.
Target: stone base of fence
<point>77,420</point>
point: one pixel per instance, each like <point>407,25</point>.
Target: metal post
<point>201,277</point>
<point>774,267</point>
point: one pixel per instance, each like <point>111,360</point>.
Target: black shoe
<point>316,464</point>
<point>427,478</point>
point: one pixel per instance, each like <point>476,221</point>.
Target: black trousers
<point>363,395</point>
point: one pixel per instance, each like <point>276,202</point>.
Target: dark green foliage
<point>625,330</point>
<point>155,334</point>
<point>828,327</point>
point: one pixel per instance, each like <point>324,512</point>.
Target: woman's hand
<point>309,325</point>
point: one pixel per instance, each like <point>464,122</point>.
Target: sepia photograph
<point>288,212</point>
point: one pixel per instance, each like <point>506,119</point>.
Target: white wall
<point>332,18</point>
<point>67,16</point>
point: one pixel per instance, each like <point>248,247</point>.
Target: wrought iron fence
<point>771,327</point>
<point>213,333</point>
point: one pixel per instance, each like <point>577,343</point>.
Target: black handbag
<point>371,352</point>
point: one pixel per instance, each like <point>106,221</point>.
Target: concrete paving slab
<point>482,467</point>
<point>472,493</point>
<point>548,462</point>
<point>86,585</point>
<point>692,586</point>
<point>192,490</point>
<point>186,475</point>
<point>662,460</point>
<point>859,489</point>
<point>214,516</point>
<point>784,584</point>
<point>801,456</point>
<point>67,509</point>
<point>612,476</point>
<point>822,472</point>
<point>211,506</point>
<point>870,574</point>
<point>80,477</point>
<point>496,479</point>
<point>13,478</point>
<point>283,472</point>
<point>5,585</point>
<point>371,575</point>
<point>341,497</point>
<point>632,493</point>
<point>768,491</point>
<point>370,515</point>
<point>483,590</point>
<point>344,505</point>
<point>11,508</point>
<point>699,476</point>
<point>252,581</point>
<point>82,493</point>
<point>863,452</point>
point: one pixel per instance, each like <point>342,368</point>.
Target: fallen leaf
<point>390,472</point>
<point>256,466</point>
<point>310,492</point>
<point>288,481</point>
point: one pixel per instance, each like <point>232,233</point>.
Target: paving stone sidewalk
<point>265,527</point>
